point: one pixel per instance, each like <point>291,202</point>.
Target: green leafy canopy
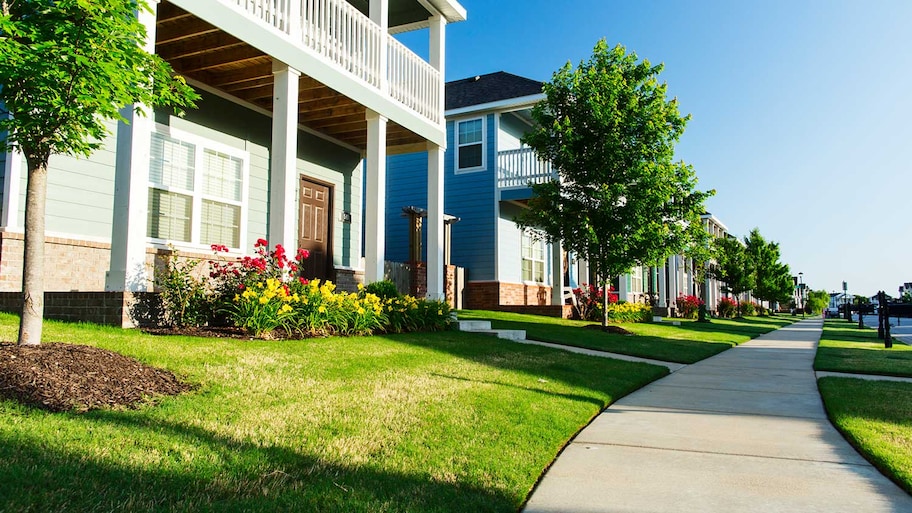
<point>70,64</point>
<point>621,200</point>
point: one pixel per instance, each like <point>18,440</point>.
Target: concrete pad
<point>731,401</point>
<point>720,433</point>
<point>598,478</point>
<point>796,382</point>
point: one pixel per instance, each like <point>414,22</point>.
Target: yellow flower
<point>322,309</point>
<point>264,300</point>
<point>285,308</point>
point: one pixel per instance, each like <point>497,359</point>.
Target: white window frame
<point>457,146</point>
<point>637,280</point>
<point>535,239</point>
<point>197,195</point>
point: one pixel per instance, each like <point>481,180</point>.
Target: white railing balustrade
<point>338,31</point>
<point>518,168</point>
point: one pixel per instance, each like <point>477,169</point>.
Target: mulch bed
<point>617,330</point>
<point>201,331</point>
<point>66,377</point>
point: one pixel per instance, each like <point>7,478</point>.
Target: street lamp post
<point>801,292</point>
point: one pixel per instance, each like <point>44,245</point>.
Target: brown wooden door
<point>314,228</point>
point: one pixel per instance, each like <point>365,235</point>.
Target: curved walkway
<point>744,430</point>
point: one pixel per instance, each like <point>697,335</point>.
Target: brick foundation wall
<point>488,295</point>
<point>348,279</point>
<point>563,311</point>
<point>110,308</point>
<point>69,265</point>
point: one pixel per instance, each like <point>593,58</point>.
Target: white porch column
<point>662,288</point>
<point>672,280</point>
<point>127,270</point>
<point>374,225</point>
<point>623,292</point>
<point>557,273</point>
<point>283,172</point>
<point>379,14</point>
<point>435,275</point>
<point>12,175</point>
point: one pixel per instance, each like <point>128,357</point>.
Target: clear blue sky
<point>802,110</point>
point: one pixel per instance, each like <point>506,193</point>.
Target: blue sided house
<point>487,171</point>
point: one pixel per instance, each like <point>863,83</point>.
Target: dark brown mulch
<point>609,329</point>
<point>202,331</point>
<point>67,377</point>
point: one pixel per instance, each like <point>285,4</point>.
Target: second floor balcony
<point>517,169</point>
<point>348,62</point>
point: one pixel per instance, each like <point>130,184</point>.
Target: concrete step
<point>473,325</point>
<point>504,334</point>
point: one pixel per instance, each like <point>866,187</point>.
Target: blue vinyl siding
<point>468,195</point>
<point>406,186</point>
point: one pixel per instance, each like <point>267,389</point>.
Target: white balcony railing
<point>518,168</point>
<point>342,34</point>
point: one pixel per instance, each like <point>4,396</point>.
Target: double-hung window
<point>196,191</point>
<point>636,280</point>
<point>470,145</point>
<point>533,257</point>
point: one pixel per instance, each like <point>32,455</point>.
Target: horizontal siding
<point>471,196</point>
<point>80,193</point>
<point>406,186</point>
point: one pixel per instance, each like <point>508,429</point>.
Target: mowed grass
<point>876,417</point>
<point>845,348</point>
<point>418,422</point>
<point>688,343</point>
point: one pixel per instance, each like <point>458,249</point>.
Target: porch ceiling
<point>202,52</point>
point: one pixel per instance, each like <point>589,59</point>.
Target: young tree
<point>68,65</point>
<point>621,200</point>
<point>733,267</point>
<point>817,300</point>
<point>772,278</point>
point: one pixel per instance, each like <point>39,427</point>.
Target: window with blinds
<point>533,258</point>
<point>195,190</point>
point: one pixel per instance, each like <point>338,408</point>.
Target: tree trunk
<point>33,258</point>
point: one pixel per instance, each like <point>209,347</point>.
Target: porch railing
<point>518,168</point>
<point>339,32</point>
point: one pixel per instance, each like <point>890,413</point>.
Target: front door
<point>314,228</point>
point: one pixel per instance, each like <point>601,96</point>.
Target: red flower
<point>303,281</point>
<point>260,243</point>
<point>241,286</point>
<point>302,254</point>
<point>219,248</point>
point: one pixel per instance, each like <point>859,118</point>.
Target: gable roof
<point>493,87</point>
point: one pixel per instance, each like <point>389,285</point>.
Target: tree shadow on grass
<point>222,474</point>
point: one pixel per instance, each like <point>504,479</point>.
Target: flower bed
<point>266,295</point>
<point>590,304</point>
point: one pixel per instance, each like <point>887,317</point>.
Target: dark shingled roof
<point>489,88</point>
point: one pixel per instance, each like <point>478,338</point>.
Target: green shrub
<point>384,289</point>
<point>726,307</point>
<point>184,296</point>
<point>748,308</point>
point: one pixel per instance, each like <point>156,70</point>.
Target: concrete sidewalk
<point>744,430</point>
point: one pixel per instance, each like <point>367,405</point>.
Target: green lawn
<point>876,417</point>
<point>688,343</point>
<point>845,348</point>
<point>419,422</point>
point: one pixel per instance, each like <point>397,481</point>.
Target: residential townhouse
<point>299,98</point>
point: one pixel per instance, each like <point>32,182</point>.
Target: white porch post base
<point>663,288</point>
<point>374,224</point>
